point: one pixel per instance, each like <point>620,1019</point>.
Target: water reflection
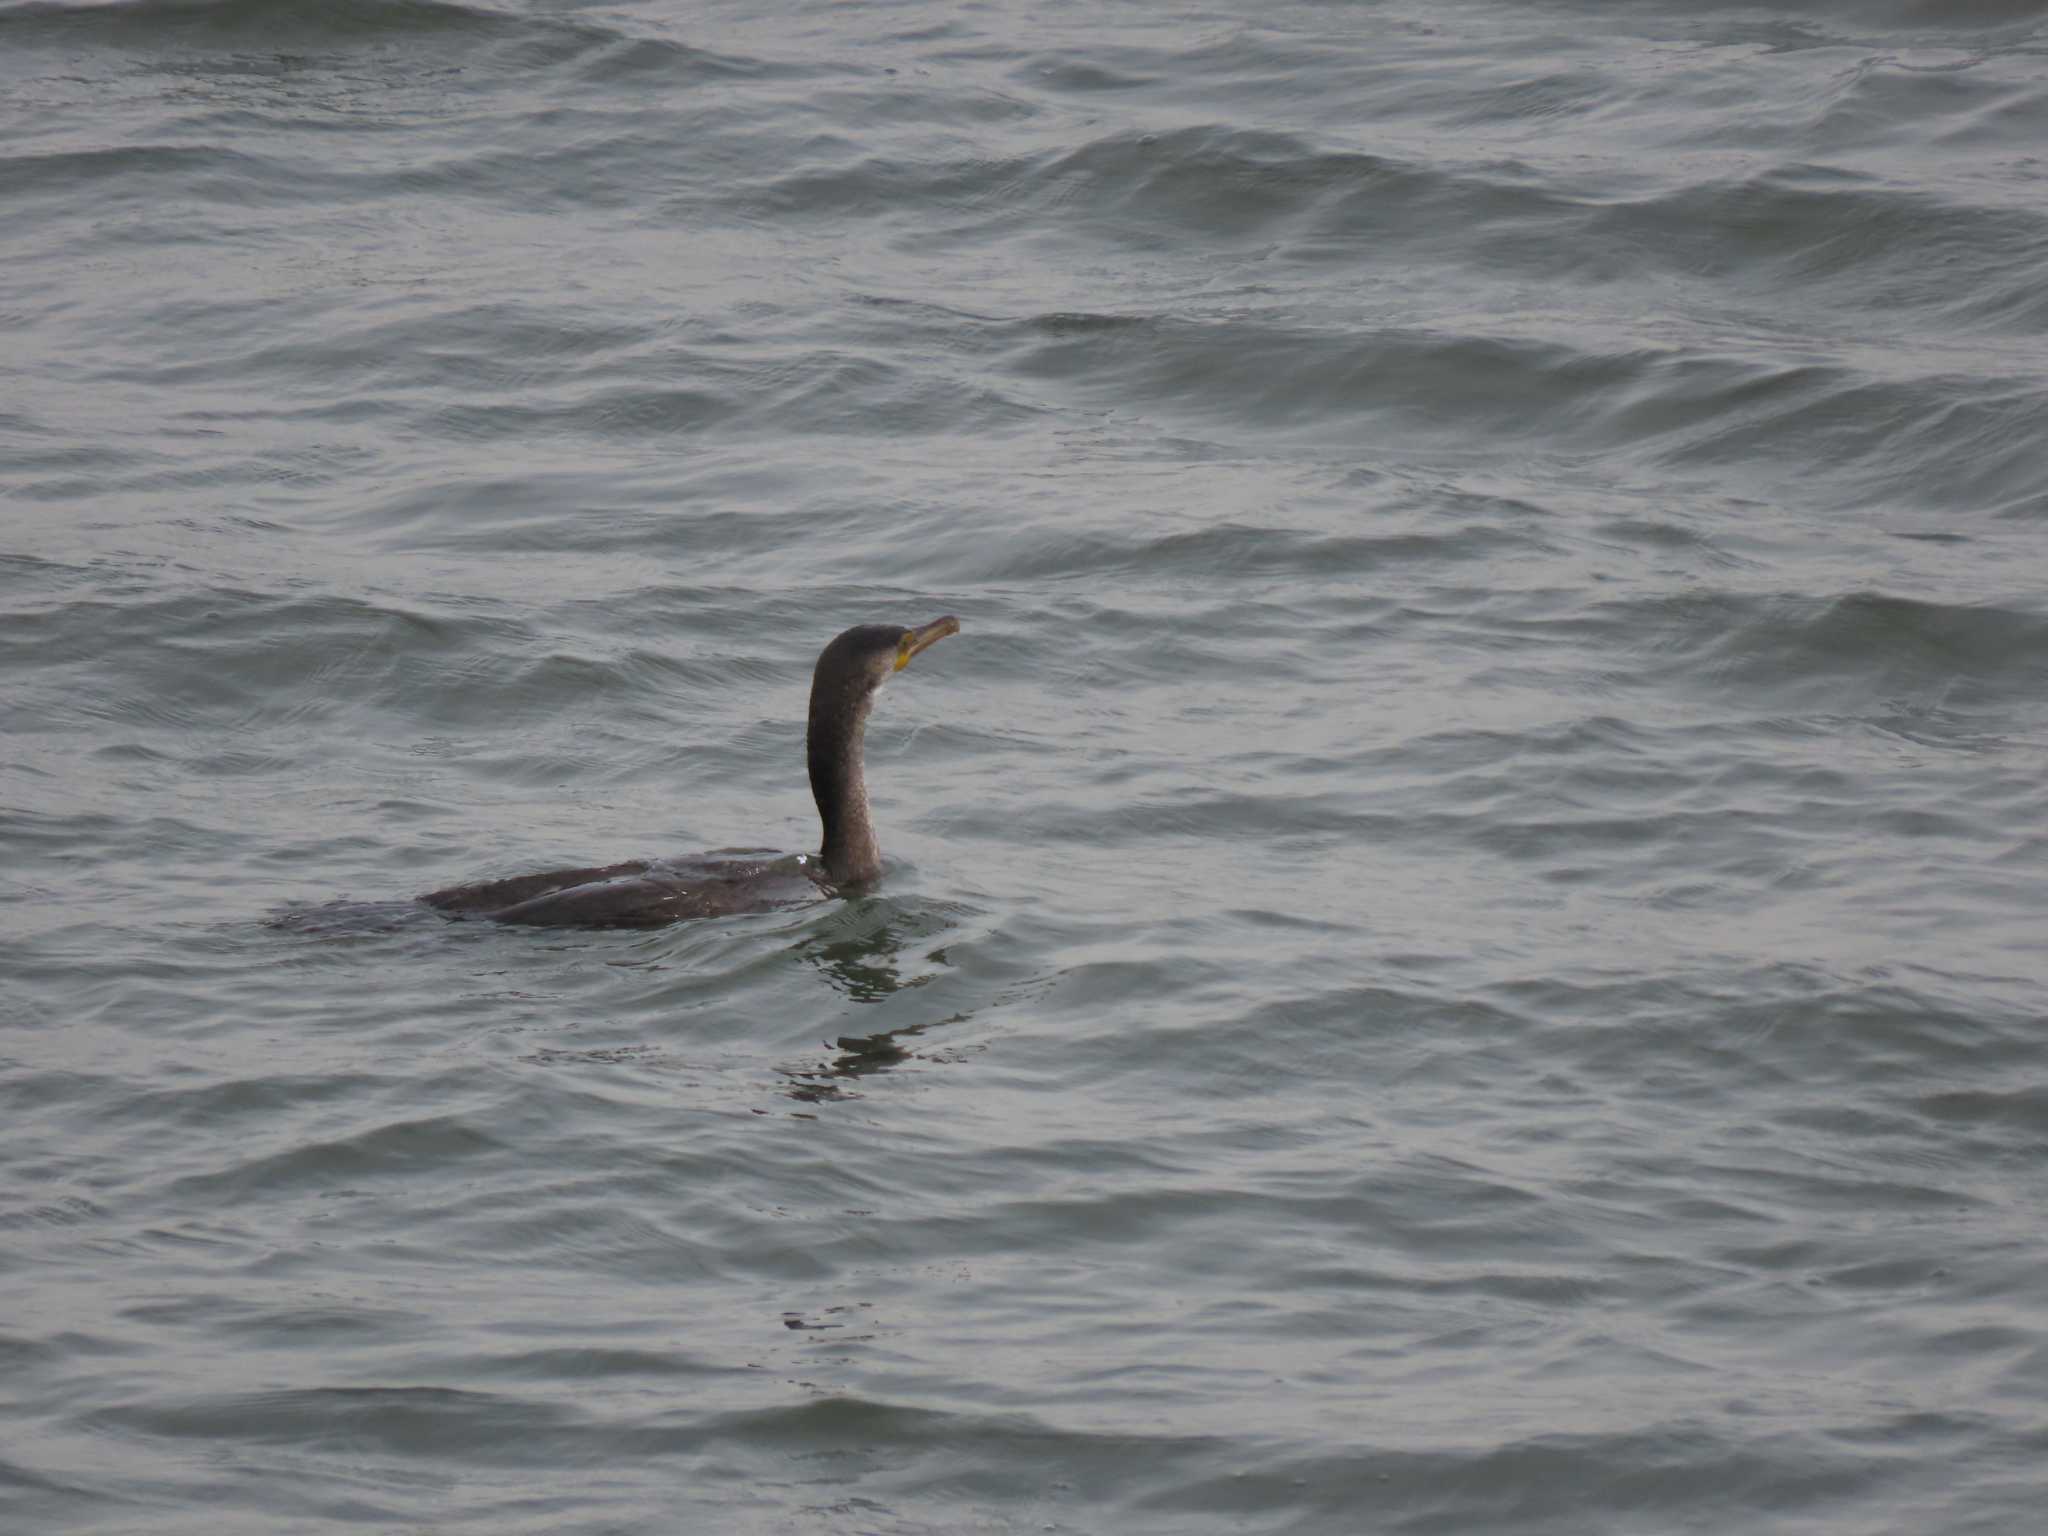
<point>864,954</point>
<point>865,969</point>
<point>858,1056</point>
<point>859,951</point>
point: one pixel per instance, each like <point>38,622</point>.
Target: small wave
<point>143,170</point>
<point>143,23</point>
<point>1235,551</point>
<point>1846,240</point>
<point>517,41</point>
<point>1854,650</point>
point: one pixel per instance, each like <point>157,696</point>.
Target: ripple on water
<point>1459,950</point>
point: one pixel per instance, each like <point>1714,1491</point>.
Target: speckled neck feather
<point>840,700</point>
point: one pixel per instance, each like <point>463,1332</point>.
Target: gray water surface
<point>1462,948</point>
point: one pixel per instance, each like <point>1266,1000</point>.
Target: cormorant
<point>650,893</point>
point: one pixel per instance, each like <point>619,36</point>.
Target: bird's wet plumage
<point>641,893</point>
<point>652,893</point>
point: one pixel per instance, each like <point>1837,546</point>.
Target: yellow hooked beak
<point>922,636</point>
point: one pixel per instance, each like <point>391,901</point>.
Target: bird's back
<point>642,893</point>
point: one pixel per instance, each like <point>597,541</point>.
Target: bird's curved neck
<point>833,743</point>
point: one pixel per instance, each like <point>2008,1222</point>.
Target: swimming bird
<point>651,893</point>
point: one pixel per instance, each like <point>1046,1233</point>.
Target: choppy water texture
<point>1463,945</point>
